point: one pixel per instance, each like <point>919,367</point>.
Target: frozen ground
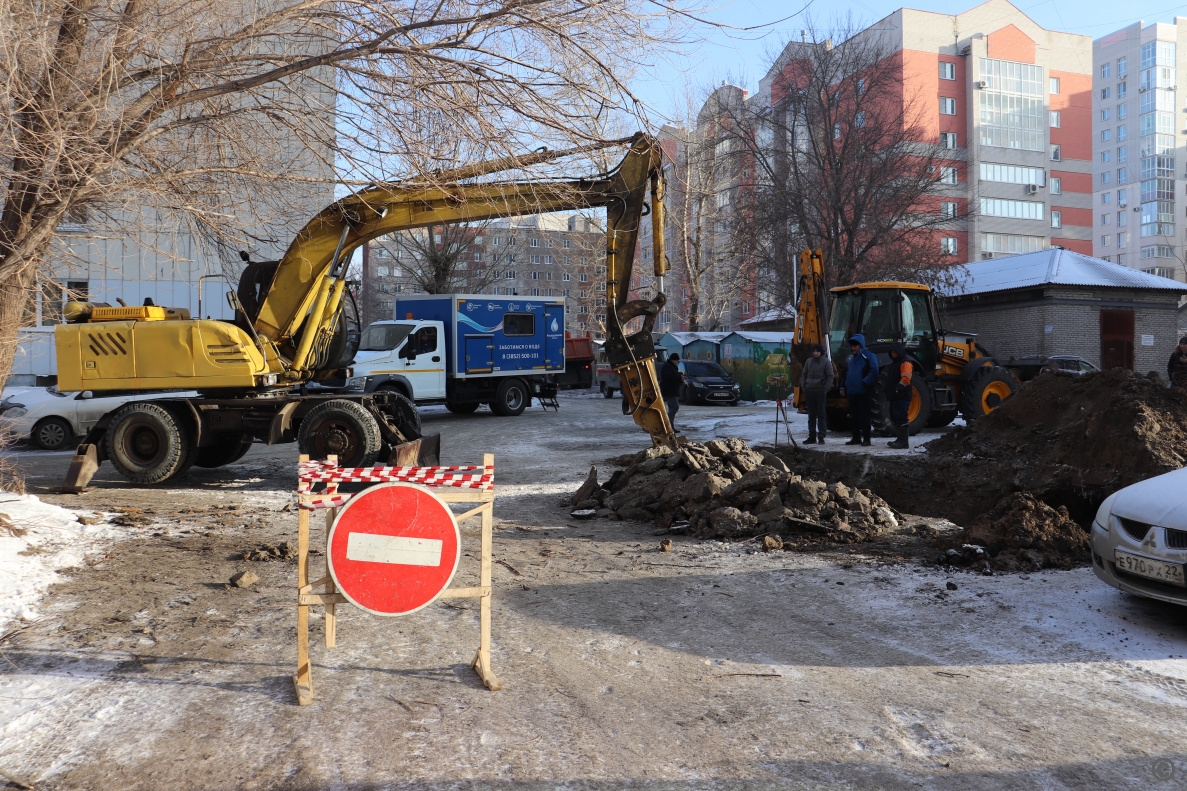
<point>710,666</point>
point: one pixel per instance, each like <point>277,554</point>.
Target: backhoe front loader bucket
<point>83,467</point>
<point>423,452</point>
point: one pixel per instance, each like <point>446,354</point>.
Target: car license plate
<point>1162,571</point>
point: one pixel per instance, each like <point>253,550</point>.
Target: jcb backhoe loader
<point>954,374</point>
<point>288,332</point>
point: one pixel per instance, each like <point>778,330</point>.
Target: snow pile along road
<point>37,539</point>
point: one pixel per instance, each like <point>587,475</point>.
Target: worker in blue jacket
<point>860,376</point>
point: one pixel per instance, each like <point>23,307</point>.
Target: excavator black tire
<point>229,450</point>
<point>918,413</point>
<point>941,417</point>
<point>988,388</point>
<point>341,428</point>
<point>147,444</point>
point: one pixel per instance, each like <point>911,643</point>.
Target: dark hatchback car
<point>707,383</point>
<point>1027,368</point>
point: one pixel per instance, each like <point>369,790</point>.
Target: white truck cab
<point>406,356</point>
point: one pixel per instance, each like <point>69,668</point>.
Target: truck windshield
<point>382,337</point>
<point>844,322</point>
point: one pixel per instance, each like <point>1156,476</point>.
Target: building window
<point>948,245</point>
<point>1122,197</point>
<point>1106,70</point>
<point>948,209</point>
<point>535,275</point>
<point>836,131</point>
<point>1055,153</point>
<point>1122,240</point>
<point>1055,85</point>
<point>1104,218</point>
<point>1161,271</point>
<point>861,86</point>
<point>533,259</point>
<point>1122,66</point>
<point>1056,185</point>
<point>1122,154</point>
<point>382,271</point>
<point>509,274</point>
<point>1122,175</point>
<point>1054,119</point>
<point>1122,114</point>
<point>1122,218</point>
<point>947,175</point>
<point>496,240</point>
<point>510,241</point>
<point>534,242</point>
<point>548,276</point>
<point>947,106</point>
<point>584,278</point>
<point>1106,177</point>
<point>1056,219</point>
<point>565,244</point>
<point>1158,251</point>
<point>1014,209</point>
<point>1011,244</point>
<point>1106,240</point>
<point>477,256</point>
<point>1106,198</point>
<point>548,259</point>
<point>1106,156</point>
<point>1106,92</point>
<point>1121,90</point>
<point>745,306</point>
<point>565,277</point>
<point>1106,134</point>
<point>1105,114</point>
<point>947,71</point>
<point>496,274</point>
<point>947,140</point>
<point>859,120</point>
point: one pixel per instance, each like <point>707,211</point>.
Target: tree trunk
<point>14,298</point>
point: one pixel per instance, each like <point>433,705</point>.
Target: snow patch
<point>37,539</point>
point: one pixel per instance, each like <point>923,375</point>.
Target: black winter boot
<point>901,442</point>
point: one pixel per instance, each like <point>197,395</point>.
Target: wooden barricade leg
<point>331,615</point>
<point>303,678</point>
<point>481,663</point>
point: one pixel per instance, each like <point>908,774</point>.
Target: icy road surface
<point>710,666</point>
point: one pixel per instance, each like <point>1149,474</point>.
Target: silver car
<point>1139,538</point>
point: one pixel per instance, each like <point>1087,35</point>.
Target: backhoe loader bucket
<point>423,452</point>
<point>83,467</point>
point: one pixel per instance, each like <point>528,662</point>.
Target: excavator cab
<point>885,313</point>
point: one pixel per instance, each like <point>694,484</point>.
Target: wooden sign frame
<point>444,485</point>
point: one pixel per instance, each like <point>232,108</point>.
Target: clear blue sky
<point>742,56</point>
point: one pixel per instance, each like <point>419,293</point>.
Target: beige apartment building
<point>1139,134</point>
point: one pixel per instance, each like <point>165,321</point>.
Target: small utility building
<point>1059,302</point>
<point>694,345</point>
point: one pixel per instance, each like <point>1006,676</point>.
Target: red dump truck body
<point>579,363</point>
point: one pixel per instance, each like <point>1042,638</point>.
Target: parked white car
<point>57,421</point>
<point>1139,538</point>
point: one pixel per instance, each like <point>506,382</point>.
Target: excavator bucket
<point>423,452</point>
<point>83,467</point>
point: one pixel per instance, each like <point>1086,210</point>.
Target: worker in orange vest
<point>898,393</point>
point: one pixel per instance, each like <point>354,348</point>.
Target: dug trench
<point>1024,481</point>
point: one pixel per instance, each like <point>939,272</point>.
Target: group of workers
<point>860,374</point>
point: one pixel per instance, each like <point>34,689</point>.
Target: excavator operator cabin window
<point>519,324</point>
<point>878,318</point>
<point>917,327</point>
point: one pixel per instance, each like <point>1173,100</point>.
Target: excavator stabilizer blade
<point>83,467</point>
<point>423,452</point>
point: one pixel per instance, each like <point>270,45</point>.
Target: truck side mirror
<point>407,351</point>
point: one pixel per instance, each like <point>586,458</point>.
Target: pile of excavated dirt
<point>1068,440</point>
<point>726,490</point>
<point>1021,533</point>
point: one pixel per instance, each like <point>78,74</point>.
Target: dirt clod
<point>1024,533</point>
<point>283,551</point>
<point>244,579</point>
<point>665,545</point>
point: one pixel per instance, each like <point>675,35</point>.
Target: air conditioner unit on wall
<point>982,83</point>
<point>1032,189</point>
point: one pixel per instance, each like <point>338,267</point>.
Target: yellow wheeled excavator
<point>289,331</point>
<point>954,374</point>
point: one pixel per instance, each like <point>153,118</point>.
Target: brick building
<point>541,255</point>
<point>1061,302</point>
<point>1139,134</point>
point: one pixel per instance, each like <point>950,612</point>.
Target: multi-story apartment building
<point>549,255</point>
<point>1007,102</point>
<point>1139,133</point>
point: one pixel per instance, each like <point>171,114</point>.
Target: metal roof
<point>762,337</point>
<point>685,338</point>
<point>1055,266</point>
<point>773,314</point>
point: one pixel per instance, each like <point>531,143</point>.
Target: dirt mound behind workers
<point>1022,533</point>
<point>1068,440</point>
<point>726,490</point>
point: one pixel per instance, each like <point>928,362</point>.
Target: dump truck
<point>255,375</point>
<point>954,375</point>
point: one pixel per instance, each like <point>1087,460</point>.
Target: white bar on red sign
<point>375,548</point>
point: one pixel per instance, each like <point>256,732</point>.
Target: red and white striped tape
<point>316,471</point>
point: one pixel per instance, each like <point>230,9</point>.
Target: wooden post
<point>303,678</point>
<point>331,615</point>
<point>481,662</point>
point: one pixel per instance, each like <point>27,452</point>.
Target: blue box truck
<point>463,350</point>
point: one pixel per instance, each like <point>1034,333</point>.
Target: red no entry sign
<point>393,549</point>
